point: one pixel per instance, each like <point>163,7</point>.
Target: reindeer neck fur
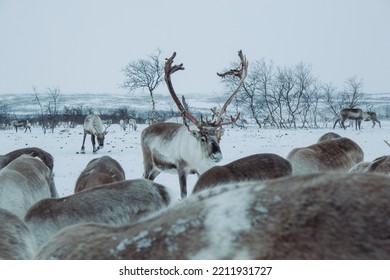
<point>178,143</point>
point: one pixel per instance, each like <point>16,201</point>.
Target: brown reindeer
<point>175,147</point>
<point>100,171</point>
<point>33,151</point>
<point>16,240</point>
<point>250,168</point>
<point>316,216</point>
<point>93,125</point>
<point>328,136</point>
<point>21,123</point>
<point>44,156</point>
<point>23,182</point>
<point>357,115</point>
<point>378,165</point>
<point>117,203</point>
<point>339,154</point>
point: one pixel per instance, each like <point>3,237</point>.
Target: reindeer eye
<point>203,139</point>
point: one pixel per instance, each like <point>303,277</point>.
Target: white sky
<point>81,46</point>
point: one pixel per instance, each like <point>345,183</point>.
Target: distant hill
<point>25,104</point>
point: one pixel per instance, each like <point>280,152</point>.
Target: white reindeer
<point>99,171</point>
<point>93,125</point>
<point>122,125</point>
<point>251,168</point>
<point>175,147</point>
<point>117,203</point>
<point>23,182</point>
<point>16,240</point>
<point>132,124</point>
<point>316,216</point>
<point>338,154</point>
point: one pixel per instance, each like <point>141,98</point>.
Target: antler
<point>169,69</point>
<point>240,73</point>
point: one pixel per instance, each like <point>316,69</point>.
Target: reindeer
<point>21,123</point>
<point>250,168</point>
<point>132,124</point>
<point>16,240</point>
<point>378,165</point>
<point>328,136</point>
<point>374,118</point>
<point>93,125</point>
<point>46,158</point>
<point>338,154</point>
<point>175,147</point>
<point>357,115</point>
<point>316,216</point>
<point>23,182</point>
<point>100,171</point>
<point>117,203</point>
<point>122,125</point>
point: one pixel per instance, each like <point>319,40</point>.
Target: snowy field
<point>125,147</point>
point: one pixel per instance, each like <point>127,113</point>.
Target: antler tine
<point>232,120</point>
<point>241,73</point>
<point>169,69</point>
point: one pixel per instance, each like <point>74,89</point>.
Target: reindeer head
<point>100,137</point>
<point>209,132</point>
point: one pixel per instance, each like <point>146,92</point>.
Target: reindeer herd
<point>322,201</point>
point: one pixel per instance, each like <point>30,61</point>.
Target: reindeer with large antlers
<point>175,147</point>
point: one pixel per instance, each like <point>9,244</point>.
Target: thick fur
<point>316,216</point>
<point>172,147</point>
<point>44,156</point>
<point>116,204</point>
<point>16,240</point>
<point>23,182</point>
<point>250,168</point>
<point>34,152</point>
<point>338,154</point>
<point>378,165</point>
<point>328,136</point>
<point>100,171</point>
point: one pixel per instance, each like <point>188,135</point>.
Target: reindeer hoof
<point>82,152</point>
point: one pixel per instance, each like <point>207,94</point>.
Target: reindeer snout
<point>216,157</point>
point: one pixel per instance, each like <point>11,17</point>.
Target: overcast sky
<point>82,46</point>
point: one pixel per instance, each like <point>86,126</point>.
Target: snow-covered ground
<point>125,147</point>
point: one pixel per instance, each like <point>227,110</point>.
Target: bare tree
<point>145,73</point>
<point>48,113</point>
<point>52,107</point>
<point>352,95</point>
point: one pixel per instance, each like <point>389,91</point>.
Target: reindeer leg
<point>338,120</point>
<point>342,124</point>
<point>93,143</point>
<point>82,146</point>
<point>357,124</point>
<point>183,183</point>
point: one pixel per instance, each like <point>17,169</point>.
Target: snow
<point>125,147</point>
